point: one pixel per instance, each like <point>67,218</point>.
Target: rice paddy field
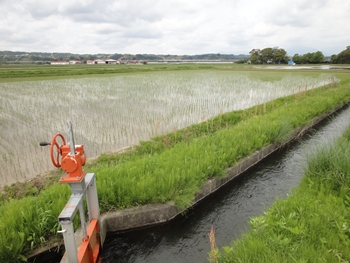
<point>115,111</point>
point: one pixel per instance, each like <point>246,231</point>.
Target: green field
<point>18,72</point>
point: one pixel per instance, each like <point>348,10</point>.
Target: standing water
<point>186,238</point>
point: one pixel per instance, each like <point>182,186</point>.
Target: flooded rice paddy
<point>109,113</point>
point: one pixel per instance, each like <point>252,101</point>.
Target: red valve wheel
<point>55,149</point>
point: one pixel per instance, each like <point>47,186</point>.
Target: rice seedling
<point>149,175</point>
<point>110,113</point>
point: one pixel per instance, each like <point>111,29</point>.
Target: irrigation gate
<point>71,158</point>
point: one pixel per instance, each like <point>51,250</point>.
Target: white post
<point>85,188</point>
<point>69,240</point>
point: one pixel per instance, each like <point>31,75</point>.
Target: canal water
<point>185,239</point>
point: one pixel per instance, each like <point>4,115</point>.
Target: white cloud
<point>174,26</point>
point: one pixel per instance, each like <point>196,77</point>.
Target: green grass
<point>168,168</point>
<point>312,224</point>
<point>30,222</point>
<point>17,72</point>
<point>25,72</point>
<point>176,173</point>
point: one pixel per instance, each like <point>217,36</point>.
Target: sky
<point>175,27</point>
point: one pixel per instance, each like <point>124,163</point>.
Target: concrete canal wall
<point>152,214</point>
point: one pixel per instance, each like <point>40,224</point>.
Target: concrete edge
<point>152,214</point>
<point>160,213</point>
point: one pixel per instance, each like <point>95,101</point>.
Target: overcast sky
<point>176,27</point>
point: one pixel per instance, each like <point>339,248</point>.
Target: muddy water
<point>186,238</point>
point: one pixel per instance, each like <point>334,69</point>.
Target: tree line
<point>30,57</point>
<point>342,58</point>
<point>277,55</point>
<point>269,55</point>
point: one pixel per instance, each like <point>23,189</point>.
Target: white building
<point>59,63</point>
<point>112,61</point>
<point>75,62</point>
<point>99,61</point>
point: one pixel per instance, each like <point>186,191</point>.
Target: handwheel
<point>55,149</point>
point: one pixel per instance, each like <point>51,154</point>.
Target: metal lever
<point>71,138</point>
<point>62,231</point>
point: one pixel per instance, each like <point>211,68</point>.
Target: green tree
<point>317,57</point>
<point>267,55</point>
<point>307,58</point>
<point>297,59</point>
<point>241,61</point>
<point>280,55</point>
<point>344,56</point>
<point>313,58</point>
<point>255,59</point>
<point>334,59</point>
<point>255,56</point>
<point>140,57</point>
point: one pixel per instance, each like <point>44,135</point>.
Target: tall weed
<point>312,224</point>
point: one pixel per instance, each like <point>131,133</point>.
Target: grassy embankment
<point>311,225</point>
<point>169,168</point>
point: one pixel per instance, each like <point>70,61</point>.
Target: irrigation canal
<point>186,238</point>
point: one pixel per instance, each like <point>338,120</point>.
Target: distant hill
<point>42,57</point>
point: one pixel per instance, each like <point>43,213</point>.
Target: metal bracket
<point>75,203</point>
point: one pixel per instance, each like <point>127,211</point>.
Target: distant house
<point>75,62</point>
<point>59,63</point>
<point>111,61</point>
<point>99,61</point>
<point>90,61</point>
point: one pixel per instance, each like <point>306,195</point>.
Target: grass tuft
<point>312,224</point>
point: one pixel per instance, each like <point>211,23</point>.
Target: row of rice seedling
<point>113,112</point>
<point>207,156</point>
<point>174,173</point>
<point>311,225</point>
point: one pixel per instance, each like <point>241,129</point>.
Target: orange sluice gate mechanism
<point>71,158</point>
<point>71,163</point>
